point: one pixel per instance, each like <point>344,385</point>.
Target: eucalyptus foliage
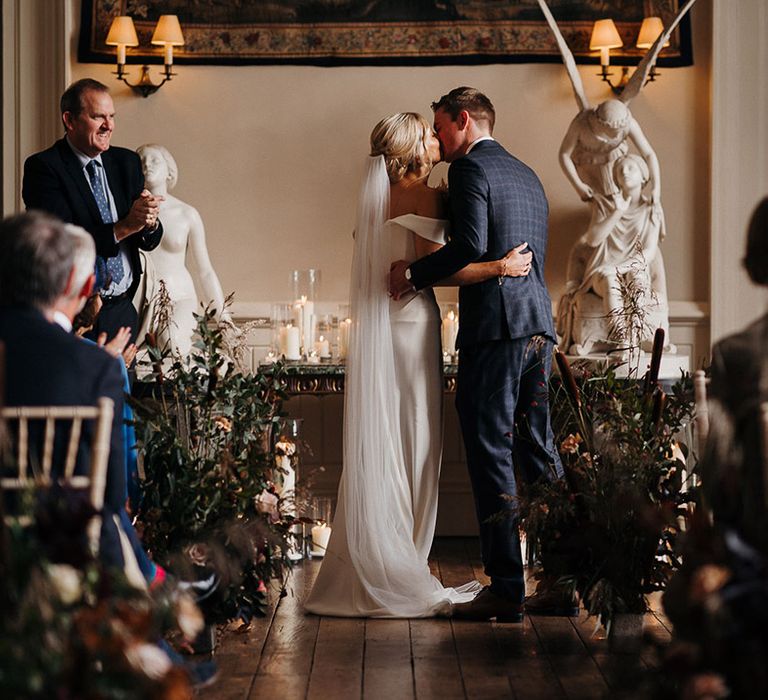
<point>204,433</point>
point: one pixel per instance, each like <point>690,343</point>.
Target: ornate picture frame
<point>375,32</point>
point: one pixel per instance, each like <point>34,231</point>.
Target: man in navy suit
<point>45,364</point>
<point>505,338</point>
<point>83,180</point>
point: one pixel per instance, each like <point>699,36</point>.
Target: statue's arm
<point>600,228</point>
<point>646,151</point>
<point>198,250</point>
<point>566,160</point>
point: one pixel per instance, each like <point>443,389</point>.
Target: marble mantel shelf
<point>328,378</point>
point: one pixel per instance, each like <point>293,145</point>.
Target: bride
<point>376,562</point>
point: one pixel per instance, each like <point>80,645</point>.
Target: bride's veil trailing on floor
<point>374,492</point>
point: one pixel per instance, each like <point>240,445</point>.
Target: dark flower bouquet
<point>608,529</point>
<point>718,600</point>
<point>69,628</point>
<point>204,431</point>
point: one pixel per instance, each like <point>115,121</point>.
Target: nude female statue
<point>184,236</point>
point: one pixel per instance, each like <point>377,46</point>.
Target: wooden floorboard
<point>387,665</point>
<point>291,655</point>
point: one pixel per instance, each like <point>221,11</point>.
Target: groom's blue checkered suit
<point>505,338</point>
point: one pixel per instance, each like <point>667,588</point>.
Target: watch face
<point>408,273</point>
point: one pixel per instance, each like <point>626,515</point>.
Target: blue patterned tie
<point>114,264</point>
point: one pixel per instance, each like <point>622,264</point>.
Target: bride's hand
<point>516,263</point>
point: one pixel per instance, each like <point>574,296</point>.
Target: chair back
<point>701,416</point>
<point>55,420</point>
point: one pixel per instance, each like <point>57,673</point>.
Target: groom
<point>506,335</point>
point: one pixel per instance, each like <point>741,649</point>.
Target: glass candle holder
<point>343,328</point>
<point>287,452</point>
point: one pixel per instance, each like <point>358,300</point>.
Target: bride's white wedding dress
<point>376,563</point>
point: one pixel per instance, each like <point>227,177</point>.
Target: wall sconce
<point>650,30</point>
<point>605,37</point>
<point>167,34</point>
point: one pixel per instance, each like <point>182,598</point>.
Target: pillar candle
<point>344,327</point>
<point>288,339</point>
<point>322,347</point>
<point>450,330</point>
<point>321,534</point>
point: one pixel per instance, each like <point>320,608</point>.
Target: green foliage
<point>609,527</point>
<point>204,432</point>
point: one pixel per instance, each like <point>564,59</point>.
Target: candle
<point>121,54</point>
<point>168,54</point>
<point>449,331</point>
<point>322,347</point>
<point>288,339</point>
<point>304,319</point>
<point>344,328</point>
<point>313,358</point>
<point>321,533</point>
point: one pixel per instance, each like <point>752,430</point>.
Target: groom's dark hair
<point>469,99</point>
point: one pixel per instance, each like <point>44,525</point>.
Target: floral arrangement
<point>608,529</point>
<point>69,628</point>
<point>204,430</point>
<point>718,600</point>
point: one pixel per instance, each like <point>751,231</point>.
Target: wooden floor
<point>291,655</point>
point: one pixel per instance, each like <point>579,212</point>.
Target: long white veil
<point>374,489</point>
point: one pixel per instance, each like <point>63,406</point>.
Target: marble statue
<point>620,249</point>
<point>627,223</point>
<point>183,241</point>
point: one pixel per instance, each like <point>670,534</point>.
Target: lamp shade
<point>649,32</point>
<point>168,31</point>
<point>122,32</point>
<point>605,36</point>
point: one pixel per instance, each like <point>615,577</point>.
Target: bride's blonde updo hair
<point>401,139</point>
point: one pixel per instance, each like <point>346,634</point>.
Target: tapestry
<point>371,32</point>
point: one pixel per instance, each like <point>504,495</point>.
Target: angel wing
<point>636,82</point>
<point>568,60</point>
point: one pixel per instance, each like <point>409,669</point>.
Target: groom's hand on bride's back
<point>399,284</point>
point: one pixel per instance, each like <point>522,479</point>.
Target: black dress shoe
<point>489,606</point>
<point>554,602</point>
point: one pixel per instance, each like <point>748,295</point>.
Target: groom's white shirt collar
<point>476,141</point>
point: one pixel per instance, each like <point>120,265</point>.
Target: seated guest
<point>41,284</point>
<point>46,275</point>
<point>734,468</point>
<point>83,249</point>
<point>124,351</point>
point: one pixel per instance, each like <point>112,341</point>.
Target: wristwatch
<point>408,273</point>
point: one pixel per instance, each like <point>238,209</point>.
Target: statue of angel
<point>596,140</point>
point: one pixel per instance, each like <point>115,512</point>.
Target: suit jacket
<point>54,182</point>
<point>732,467</point>
<point>496,202</point>
<point>46,366</point>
